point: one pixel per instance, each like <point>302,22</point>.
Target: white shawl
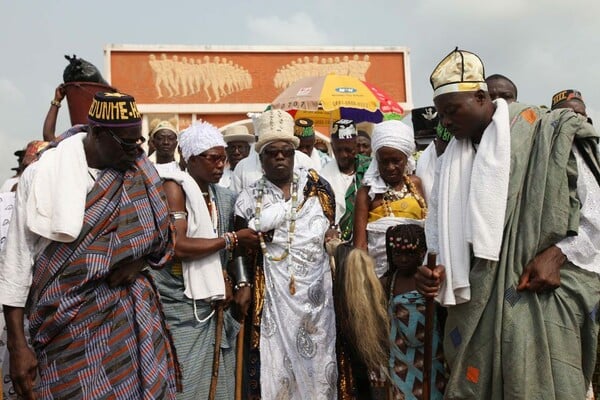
<point>203,277</point>
<point>59,190</point>
<point>471,204</point>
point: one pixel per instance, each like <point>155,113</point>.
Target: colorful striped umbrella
<point>325,99</point>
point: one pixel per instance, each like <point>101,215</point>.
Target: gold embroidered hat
<point>459,71</point>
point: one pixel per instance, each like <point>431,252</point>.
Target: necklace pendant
<point>292,285</point>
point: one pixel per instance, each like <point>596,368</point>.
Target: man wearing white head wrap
<point>197,281</point>
<point>390,192</point>
<point>198,138</point>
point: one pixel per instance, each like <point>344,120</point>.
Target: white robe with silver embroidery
<point>297,333</point>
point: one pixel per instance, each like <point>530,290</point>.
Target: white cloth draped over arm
<point>202,277</point>
<point>471,204</point>
<point>583,250</point>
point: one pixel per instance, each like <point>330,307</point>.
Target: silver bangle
<point>175,215</point>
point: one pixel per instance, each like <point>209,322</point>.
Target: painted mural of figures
<point>354,66</point>
<point>176,68</point>
<point>160,75</point>
<point>187,76</point>
<point>217,79</point>
<point>207,82</point>
<point>364,67</point>
<point>304,67</point>
<point>199,75</point>
<point>169,72</point>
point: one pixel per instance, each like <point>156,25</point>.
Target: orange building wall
<point>137,72</point>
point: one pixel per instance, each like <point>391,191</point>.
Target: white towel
<point>426,169</point>
<point>272,216</point>
<point>56,205</point>
<point>203,277</point>
<point>472,189</point>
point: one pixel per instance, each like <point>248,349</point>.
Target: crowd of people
<point>253,263</point>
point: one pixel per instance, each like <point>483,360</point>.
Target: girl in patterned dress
<point>406,248</point>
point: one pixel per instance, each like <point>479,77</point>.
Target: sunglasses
<point>127,146</point>
<point>286,152</point>
<point>238,147</point>
<point>214,158</point>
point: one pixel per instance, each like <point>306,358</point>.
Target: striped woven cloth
<point>93,341</point>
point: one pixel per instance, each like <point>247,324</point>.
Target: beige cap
<point>275,125</point>
<point>459,71</point>
<point>237,133</point>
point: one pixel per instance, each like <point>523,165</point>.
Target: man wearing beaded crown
<point>292,321</point>
<point>512,218</point>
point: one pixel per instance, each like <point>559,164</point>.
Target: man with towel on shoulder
<point>90,217</point>
<point>518,239</point>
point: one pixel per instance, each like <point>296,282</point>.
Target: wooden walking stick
<point>428,350</point>
<point>239,362</point>
<point>217,353</point>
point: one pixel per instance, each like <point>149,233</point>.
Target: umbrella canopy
<point>325,99</point>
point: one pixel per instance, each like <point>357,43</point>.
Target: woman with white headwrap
<point>193,286</point>
<point>390,192</point>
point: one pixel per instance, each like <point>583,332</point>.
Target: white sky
<point>543,45</point>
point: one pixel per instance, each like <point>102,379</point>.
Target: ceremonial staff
<point>428,345</point>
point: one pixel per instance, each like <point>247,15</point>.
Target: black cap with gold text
<point>114,110</point>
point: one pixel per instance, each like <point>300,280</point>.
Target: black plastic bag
<point>80,70</point>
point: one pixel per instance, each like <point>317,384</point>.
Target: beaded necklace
<point>291,227</point>
<point>407,189</point>
<point>212,204</point>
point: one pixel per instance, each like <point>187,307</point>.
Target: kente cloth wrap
<point>347,221</point>
<point>93,341</point>
<point>509,344</point>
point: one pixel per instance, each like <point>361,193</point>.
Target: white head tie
<point>394,134</point>
<point>198,138</point>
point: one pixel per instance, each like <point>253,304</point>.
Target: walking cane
<point>239,362</point>
<point>428,350</point>
<point>217,353</point>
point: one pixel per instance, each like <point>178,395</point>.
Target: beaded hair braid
<point>405,238</point>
